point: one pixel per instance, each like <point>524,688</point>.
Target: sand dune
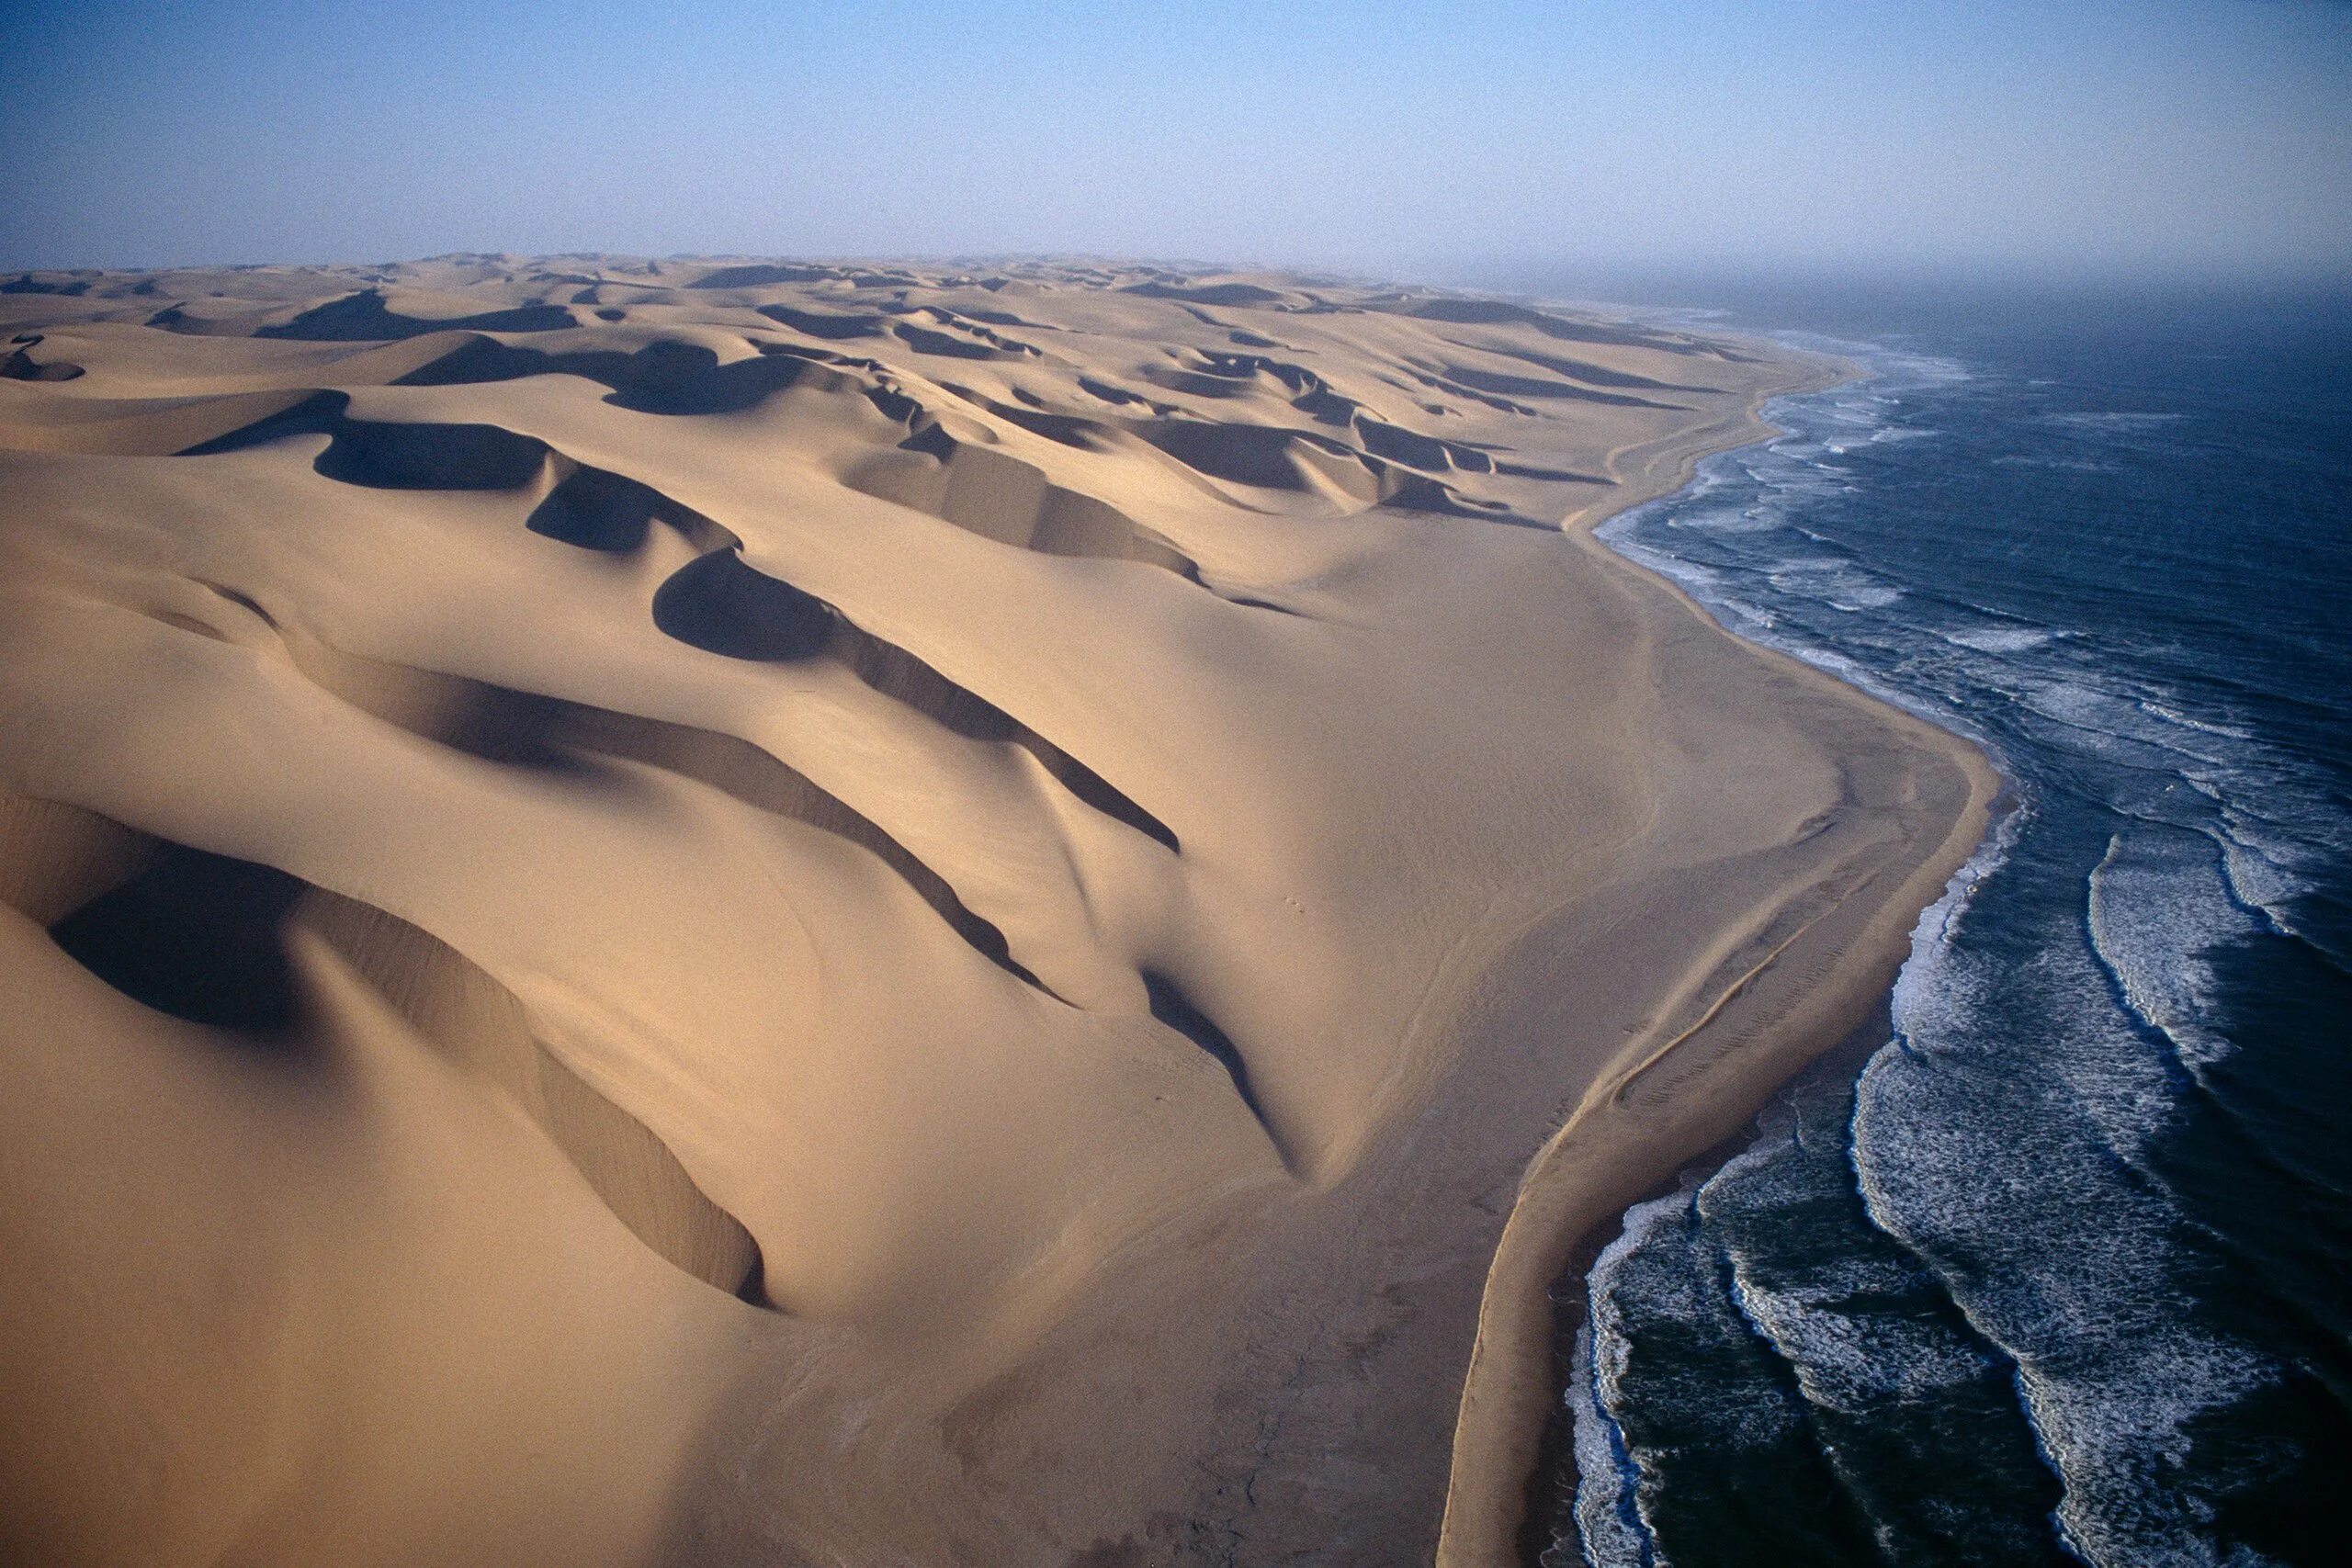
<point>730,912</point>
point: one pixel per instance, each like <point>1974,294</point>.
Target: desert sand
<point>739,913</point>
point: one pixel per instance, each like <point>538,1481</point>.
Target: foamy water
<point>2062,1276</point>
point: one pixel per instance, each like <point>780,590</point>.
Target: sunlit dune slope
<point>739,912</point>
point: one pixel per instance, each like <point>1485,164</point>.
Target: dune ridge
<point>729,911</point>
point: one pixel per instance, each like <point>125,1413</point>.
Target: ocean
<point>2064,1272</point>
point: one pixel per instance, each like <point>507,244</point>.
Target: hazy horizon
<point>2173,141</point>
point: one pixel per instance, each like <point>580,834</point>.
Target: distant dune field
<point>740,913</point>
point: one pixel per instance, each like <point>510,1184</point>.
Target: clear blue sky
<point>2153,137</point>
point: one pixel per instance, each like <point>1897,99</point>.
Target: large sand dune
<point>739,913</point>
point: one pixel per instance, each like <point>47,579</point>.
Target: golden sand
<point>728,913</point>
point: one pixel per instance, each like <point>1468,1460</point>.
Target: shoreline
<point>1606,1156</point>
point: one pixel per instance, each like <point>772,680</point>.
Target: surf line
<point>1614,1149</point>
<point>1570,1188</point>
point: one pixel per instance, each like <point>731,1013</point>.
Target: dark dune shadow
<point>661,378</point>
<point>1468,394</point>
<point>719,605</point>
<point>972,325</point>
<point>195,935</point>
<point>497,724</point>
<point>1275,458</point>
<point>1260,455</point>
<point>1007,319</point>
<point>760,275</point>
<point>895,672</point>
<point>1294,377</point>
<point>1564,476</point>
<point>825,323</point>
<point>1206,293</point>
<point>1095,790</point>
<point>1199,383</point>
<point>383,455</point>
<point>1070,430</point>
<point>893,404</point>
<point>717,602</point>
<point>1118,396</point>
<point>1171,1006</point>
<point>1418,492</point>
<point>1324,406</point>
<point>486,359</point>
<point>365,318</point>
<point>471,1019</point>
<point>1207,374</point>
<point>687,378</point>
<point>202,937</point>
<point>946,345</point>
<point>598,509</point>
<point>1415,450</point>
<point>1247,602</point>
<point>318,414</point>
<point>738,768</point>
<point>27,283</point>
<point>553,735</point>
<point>431,456</point>
<point>1003,498</point>
<point>22,366</point>
<point>593,508</point>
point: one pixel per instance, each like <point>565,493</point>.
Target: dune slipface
<point>741,913</point>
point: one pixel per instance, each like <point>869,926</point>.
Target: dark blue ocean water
<point>2065,1273</point>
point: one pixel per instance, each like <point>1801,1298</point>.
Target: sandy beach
<point>732,912</point>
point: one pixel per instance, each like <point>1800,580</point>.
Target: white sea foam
<point>2008,1137</point>
<point>1720,519</point>
<point>2072,1271</point>
<point>2158,902</point>
<point>2170,715</point>
<point>1844,1361</point>
<point>1863,596</point>
<point>1609,1528</point>
<point>1609,1503</point>
<point>2003,639</point>
<point>2104,421</point>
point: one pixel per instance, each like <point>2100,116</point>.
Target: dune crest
<point>739,912</point>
